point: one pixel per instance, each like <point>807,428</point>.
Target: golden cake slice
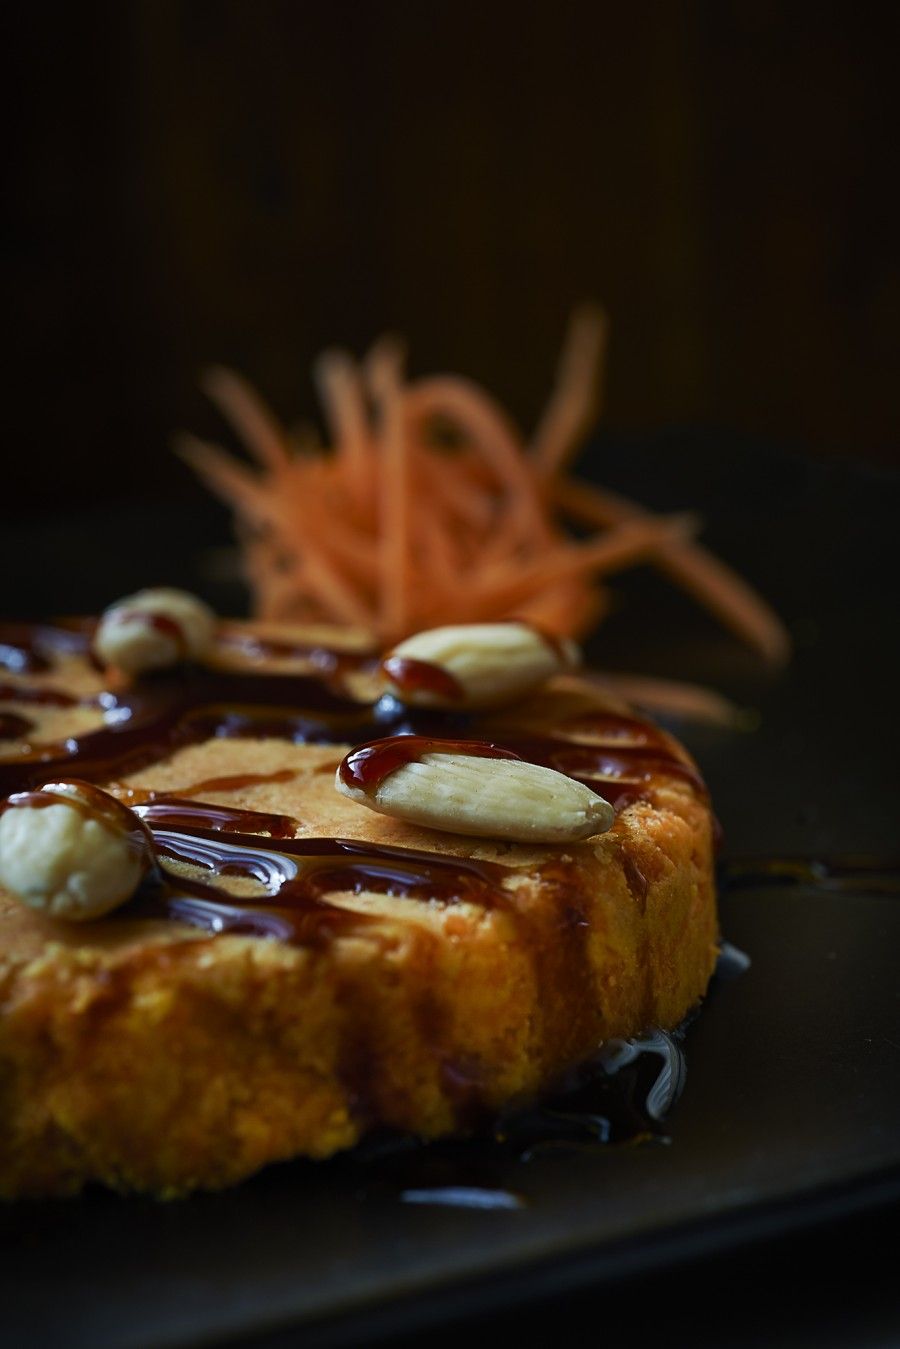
<point>295,968</point>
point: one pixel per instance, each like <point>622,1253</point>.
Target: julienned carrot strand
<point>630,542</point>
<point>461,401</point>
<point>435,555</point>
<point>731,599</point>
<point>515,517</point>
<point>346,556</point>
<point>322,573</point>
<point>341,391</point>
<point>272,588</point>
<point>442,478</point>
<point>571,611</point>
<point>334,536</point>
<point>253,503</point>
<point>332,589</point>
<point>710,580</point>
<point>575,403</point>
<point>395,506</point>
<point>387,351</point>
<point>243,406</point>
<point>694,701</point>
<point>591,505</point>
<point>445,537</point>
<point>568,558</point>
<point>225,475</point>
<point>303,514</point>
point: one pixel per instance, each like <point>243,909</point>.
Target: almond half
<point>486,797</point>
<point>476,665</point>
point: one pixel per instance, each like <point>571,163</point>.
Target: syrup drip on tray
<point>622,1096</point>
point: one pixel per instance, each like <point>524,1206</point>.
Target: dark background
<point>198,180</point>
<point>249,180</point>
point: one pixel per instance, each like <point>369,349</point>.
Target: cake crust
<point>153,1055</point>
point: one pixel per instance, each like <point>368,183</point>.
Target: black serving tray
<point>791,1112</point>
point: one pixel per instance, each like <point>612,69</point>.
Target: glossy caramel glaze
<point>295,876</point>
<point>421,676</point>
<point>368,765</point>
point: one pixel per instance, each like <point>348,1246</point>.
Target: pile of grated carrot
<point>430,507</point>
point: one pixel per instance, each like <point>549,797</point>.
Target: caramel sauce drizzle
<point>176,809</point>
<point>30,648</point>
<point>297,875</point>
<point>186,706</point>
<point>24,693</point>
<point>20,656</point>
<point>420,676</point>
<point>326,660</point>
<point>368,765</point>
<point>622,774</point>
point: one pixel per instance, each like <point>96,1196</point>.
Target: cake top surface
<point>229,764</point>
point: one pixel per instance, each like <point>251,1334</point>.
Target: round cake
<point>292,967</point>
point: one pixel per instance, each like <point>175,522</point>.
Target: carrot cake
<point>265,887</point>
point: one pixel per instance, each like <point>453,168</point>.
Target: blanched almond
<point>486,797</point>
<point>476,665</point>
<point>70,851</point>
<point>154,629</point>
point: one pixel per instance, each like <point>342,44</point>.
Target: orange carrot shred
<point>395,527</point>
<point>711,581</point>
<point>574,406</point>
<point>243,406</point>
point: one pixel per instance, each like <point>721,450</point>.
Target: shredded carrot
<point>465,405</point>
<point>507,586</point>
<point>575,404</point>
<point>395,498</point>
<point>243,406</point>
<point>343,394</point>
<point>395,528</point>
<point>735,603</point>
<point>694,702</point>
